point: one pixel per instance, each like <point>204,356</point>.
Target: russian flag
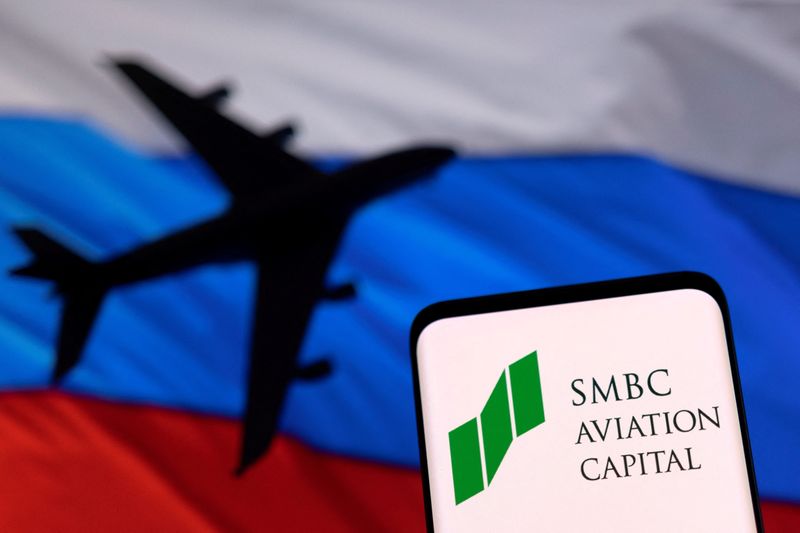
<point>596,143</point>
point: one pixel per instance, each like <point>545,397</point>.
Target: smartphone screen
<point>611,406</point>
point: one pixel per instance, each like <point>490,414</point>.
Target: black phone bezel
<point>571,294</point>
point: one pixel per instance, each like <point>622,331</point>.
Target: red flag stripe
<point>76,464</point>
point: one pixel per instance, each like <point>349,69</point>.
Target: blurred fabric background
<point>594,142</point>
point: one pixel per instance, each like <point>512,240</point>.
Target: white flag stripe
<point>713,87</point>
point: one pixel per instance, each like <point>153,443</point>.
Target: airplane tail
<point>76,281</point>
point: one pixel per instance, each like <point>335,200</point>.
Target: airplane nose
<point>435,156</point>
<point>421,161</point>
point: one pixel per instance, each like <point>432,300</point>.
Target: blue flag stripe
<point>484,225</point>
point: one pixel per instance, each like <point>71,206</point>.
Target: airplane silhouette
<point>284,214</point>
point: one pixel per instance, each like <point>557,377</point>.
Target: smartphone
<point>611,406</point>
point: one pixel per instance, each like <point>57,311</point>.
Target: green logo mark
<point>478,446</point>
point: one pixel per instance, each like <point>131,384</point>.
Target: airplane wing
<point>246,163</point>
<point>290,282</point>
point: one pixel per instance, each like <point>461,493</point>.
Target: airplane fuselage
<point>268,222</point>
<point>244,231</point>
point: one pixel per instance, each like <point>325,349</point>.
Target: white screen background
<point>538,486</point>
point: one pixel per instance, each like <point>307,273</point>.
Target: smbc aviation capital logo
<point>478,446</point>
